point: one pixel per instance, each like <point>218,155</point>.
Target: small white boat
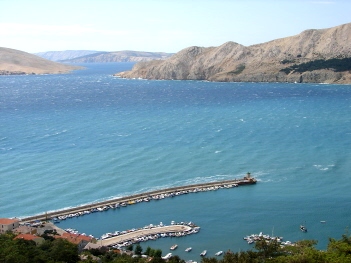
<point>250,241</point>
<point>203,253</point>
<point>168,256</point>
<point>188,249</point>
<point>303,228</point>
<point>174,247</point>
<point>219,253</point>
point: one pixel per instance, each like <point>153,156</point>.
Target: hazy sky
<point>159,25</point>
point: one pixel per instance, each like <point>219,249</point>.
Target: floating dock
<point>173,191</point>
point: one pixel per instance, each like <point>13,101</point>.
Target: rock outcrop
<point>312,56</point>
<point>15,62</point>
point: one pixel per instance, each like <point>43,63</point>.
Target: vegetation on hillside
<point>240,68</point>
<point>60,250</point>
<point>335,64</point>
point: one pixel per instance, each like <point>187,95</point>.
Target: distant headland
<point>16,62</point>
<point>314,56</point>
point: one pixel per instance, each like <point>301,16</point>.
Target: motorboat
<point>219,253</point>
<point>303,228</point>
<point>168,256</point>
<point>174,247</point>
<point>188,249</point>
<point>203,253</point>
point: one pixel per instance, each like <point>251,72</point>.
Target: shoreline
<point>133,198</point>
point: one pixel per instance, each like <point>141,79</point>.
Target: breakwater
<point>132,199</point>
<point>130,237</point>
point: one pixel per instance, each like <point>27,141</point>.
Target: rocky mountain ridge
<point>65,55</point>
<point>279,60</point>
<point>120,56</point>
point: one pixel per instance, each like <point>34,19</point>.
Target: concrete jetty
<point>144,232</point>
<point>173,191</point>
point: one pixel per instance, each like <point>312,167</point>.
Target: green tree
<point>209,260</point>
<point>176,259</point>
<point>138,250</point>
<point>148,251</point>
<point>267,248</point>
<point>130,247</point>
<point>157,253</point>
<point>63,251</point>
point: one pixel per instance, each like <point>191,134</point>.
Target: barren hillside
<point>18,62</point>
<point>312,56</point>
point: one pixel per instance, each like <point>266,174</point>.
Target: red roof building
<point>36,239</point>
<point>80,240</point>
<point>7,224</point>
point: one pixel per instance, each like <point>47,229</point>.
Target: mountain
<point>64,55</point>
<point>16,62</point>
<point>120,56</point>
<point>316,56</point>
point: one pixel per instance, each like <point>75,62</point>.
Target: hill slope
<point>310,56</point>
<point>120,56</point>
<point>14,62</point>
<point>64,55</point>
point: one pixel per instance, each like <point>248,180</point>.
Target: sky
<point>159,25</point>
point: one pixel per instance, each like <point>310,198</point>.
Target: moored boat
<point>174,247</point>
<point>168,256</point>
<point>219,253</point>
<point>188,249</point>
<point>203,253</point>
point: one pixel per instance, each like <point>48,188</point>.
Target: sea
<point>88,136</point>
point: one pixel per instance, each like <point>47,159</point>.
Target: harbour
<point>138,136</point>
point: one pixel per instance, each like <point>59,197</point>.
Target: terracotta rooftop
<point>74,238</point>
<point>7,221</point>
<point>26,237</point>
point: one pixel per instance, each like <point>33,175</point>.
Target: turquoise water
<point>73,139</point>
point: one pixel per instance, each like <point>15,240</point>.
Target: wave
<point>323,167</point>
<point>55,133</point>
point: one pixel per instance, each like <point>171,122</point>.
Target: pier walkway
<point>144,232</point>
<point>133,198</point>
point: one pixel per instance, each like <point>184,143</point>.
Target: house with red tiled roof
<point>80,240</point>
<point>7,224</point>
<point>36,239</point>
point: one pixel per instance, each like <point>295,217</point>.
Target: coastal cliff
<point>322,55</point>
<point>16,62</point>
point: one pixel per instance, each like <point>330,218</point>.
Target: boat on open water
<point>303,228</point>
<point>174,247</point>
